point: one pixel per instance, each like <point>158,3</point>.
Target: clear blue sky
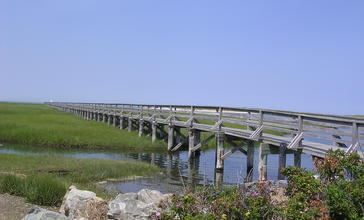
<point>304,55</point>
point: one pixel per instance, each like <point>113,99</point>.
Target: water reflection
<point>178,171</point>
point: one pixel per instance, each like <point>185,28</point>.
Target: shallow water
<point>178,172</point>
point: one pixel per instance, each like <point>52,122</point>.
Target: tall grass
<point>36,189</point>
<point>43,179</point>
<point>36,124</point>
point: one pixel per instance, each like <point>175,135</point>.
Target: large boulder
<point>82,204</point>
<point>150,196</point>
<point>36,213</point>
<point>138,206</point>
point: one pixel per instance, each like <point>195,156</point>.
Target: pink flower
<point>158,214</point>
<point>254,194</point>
<point>178,205</point>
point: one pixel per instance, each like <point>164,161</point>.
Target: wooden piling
<point>170,138</point>
<point>263,159</point>
<point>109,119</point>
<point>250,161</point>
<point>154,131</point>
<point>219,165</point>
<point>130,124</point>
<point>191,143</point>
<point>282,160</point>
<point>121,122</point>
<point>141,127</point>
<point>297,157</point>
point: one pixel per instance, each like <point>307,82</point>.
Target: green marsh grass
<point>43,179</point>
<point>37,124</point>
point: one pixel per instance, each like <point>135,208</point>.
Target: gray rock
<point>150,196</point>
<point>36,213</point>
<point>138,206</point>
<point>78,204</point>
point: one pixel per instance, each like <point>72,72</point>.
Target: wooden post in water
<point>141,127</point>
<point>263,159</point>
<point>191,143</point>
<point>297,157</point>
<point>282,160</point>
<point>121,122</point>
<point>250,161</point>
<point>170,137</point>
<point>115,120</point>
<point>197,141</point>
<point>219,178</point>
<point>109,119</point>
<point>154,131</point>
<point>130,124</point>
<point>297,153</point>
<point>219,151</point>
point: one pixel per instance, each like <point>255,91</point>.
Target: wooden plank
<point>295,141</point>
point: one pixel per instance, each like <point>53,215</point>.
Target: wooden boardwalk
<point>278,132</point>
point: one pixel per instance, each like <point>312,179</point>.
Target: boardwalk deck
<point>314,134</point>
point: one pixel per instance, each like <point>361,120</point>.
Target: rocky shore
<point>85,205</point>
<point>145,204</point>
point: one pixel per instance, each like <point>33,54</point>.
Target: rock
<point>82,204</point>
<point>150,196</point>
<point>36,213</point>
<point>138,206</point>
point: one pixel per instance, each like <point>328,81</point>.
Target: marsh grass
<point>37,124</point>
<point>43,179</point>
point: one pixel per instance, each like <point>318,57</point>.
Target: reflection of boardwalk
<point>278,132</point>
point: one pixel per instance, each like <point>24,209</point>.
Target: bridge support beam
<point>121,122</point>
<point>297,157</point>
<point>219,164</point>
<point>170,138</point>
<point>115,120</point>
<point>282,160</point>
<point>250,161</point>
<point>141,127</point>
<point>130,124</point>
<point>109,122</point>
<point>154,131</point>
<point>263,159</point>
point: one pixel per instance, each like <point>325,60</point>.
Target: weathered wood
<point>154,132</point>
<point>121,122</point>
<point>141,128</point>
<point>297,157</point>
<point>130,124</point>
<point>262,165</point>
<point>220,137</point>
<point>282,160</point>
<point>250,161</point>
<point>170,137</point>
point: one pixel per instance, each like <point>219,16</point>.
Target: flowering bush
<point>338,194</point>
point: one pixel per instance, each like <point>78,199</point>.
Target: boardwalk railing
<point>303,132</point>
